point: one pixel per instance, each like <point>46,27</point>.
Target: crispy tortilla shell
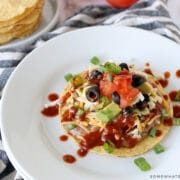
<point>145,144</point>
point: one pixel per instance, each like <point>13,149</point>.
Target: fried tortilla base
<point>145,144</point>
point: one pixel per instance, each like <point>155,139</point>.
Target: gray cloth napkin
<point>150,15</point>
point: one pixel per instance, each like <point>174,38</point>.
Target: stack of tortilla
<point>19,18</point>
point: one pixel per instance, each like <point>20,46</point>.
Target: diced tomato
<point>106,88</point>
<point>122,84</point>
<point>121,3</point>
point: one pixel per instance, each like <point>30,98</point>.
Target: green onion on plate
<point>158,148</point>
<point>142,164</point>
<point>68,77</point>
<point>95,60</point>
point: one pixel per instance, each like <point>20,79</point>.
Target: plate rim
<point>4,135</point>
<point>30,39</point>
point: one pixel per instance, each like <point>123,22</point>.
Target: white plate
<point>31,140</point>
<point>49,19</point>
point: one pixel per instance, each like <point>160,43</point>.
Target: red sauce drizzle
<point>53,97</point>
<point>176,110</point>
<point>63,138</point>
<point>64,97</point>
<point>167,75</point>
<point>147,64</point>
<point>157,82</point>
<point>148,71</point>
<point>69,158</point>
<point>111,133</point>
<point>172,95</point>
<point>91,140</point>
<point>158,133</point>
<point>82,117</point>
<point>69,114</point>
<point>165,97</point>
<point>178,73</point>
<point>82,152</point>
<point>50,111</point>
<point>163,82</point>
<point>168,121</point>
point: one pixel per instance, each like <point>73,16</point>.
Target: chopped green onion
<point>102,68</point>
<point>108,147</point>
<point>80,111</point>
<point>111,67</point>
<point>68,77</point>
<point>77,80</point>
<point>71,126</point>
<point>109,77</point>
<point>177,98</point>
<point>142,164</point>
<point>176,122</point>
<point>95,60</point>
<point>152,132</point>
<point>164,113</point>
<point>158,148</point>
<point>103,101</point>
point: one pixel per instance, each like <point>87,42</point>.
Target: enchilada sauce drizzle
<point>68,158</point>
<point>115,132</point>
<point>51,110</point>
<point>178,73</point>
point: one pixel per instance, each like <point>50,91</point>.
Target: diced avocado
<point>147,88</point>
<point>103,102</point>
<point>108,113</point>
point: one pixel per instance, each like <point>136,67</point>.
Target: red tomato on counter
<point>121,3</point>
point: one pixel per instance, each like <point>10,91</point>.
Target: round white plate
<point>49,19</point>
<point>31,140</point>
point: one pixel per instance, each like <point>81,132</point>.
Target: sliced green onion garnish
<point>95,60</point>
<point>109,77</point>
<point>68,77</point>
<point>158,148</point>
<point>80,111</point>
<point>142,164</point>
<point>78,80</point>
<point>111,67</point>
<point>176,122</point>
<point>152,132</point>
<point>108,147</point>
<point>164,113</point>
<point>177,98</point>
<point>102,68</point>
<point>103,101</point>
<point>71,126</point>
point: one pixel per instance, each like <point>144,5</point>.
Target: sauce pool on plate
<point>53,97</point>
<point>178,73</point>
<point>63,138</point>
<point>50,111</point>
<point>68,158</point>
<point>167,75</point>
